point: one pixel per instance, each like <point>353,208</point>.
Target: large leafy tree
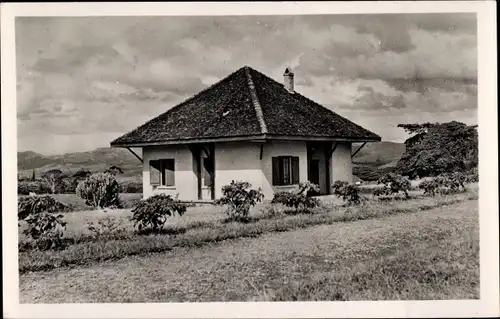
<point>435,148</point>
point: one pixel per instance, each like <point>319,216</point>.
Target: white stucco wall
<point>239,161</point>
<point>185,178</point>
<point>281,148</point>
<point>341,164</point>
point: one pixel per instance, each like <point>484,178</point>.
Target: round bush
<point>348,192</point>
<point>100,190</point>
<point>239,198</point>
<point>297,201</point>
<point>36,204</point>
<point>445,184</point>
<point>393,185</point>
<point>152,214</point>
<point>45,227</point>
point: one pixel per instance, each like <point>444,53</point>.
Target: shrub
<point>46,230</point>
<point>99,190</point>
<point>298,199</point>
<point>37,204</point>
<point>67,185</point>
<point>473,175</point>
<point>239,198</point>
<point>430,186</point>
<point>445,184</point>
<point>37,187</point>
<point>393,185</point>
<point>456,180</point>
<point>348,192</point>
<point>307,188</point>
<point>152,214</point>
<point>54,179</point>
<point>45,227</point>
<point>453,182</point>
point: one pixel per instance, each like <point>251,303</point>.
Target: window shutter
<point>295,170</point>
<point>276,170</point>
<point>154,171</point>
<point>170,172</point>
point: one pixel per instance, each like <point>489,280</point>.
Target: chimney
<point>288,80</point>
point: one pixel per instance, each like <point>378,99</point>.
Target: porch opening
<point>204,167</point>
<point>318,170</point>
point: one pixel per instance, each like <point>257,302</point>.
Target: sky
<point>84,81</point>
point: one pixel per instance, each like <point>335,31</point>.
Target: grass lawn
<point>75,203</point>
<point>193,231</point>
<point>77,221</point>
<point>427,254</point>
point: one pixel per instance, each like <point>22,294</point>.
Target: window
<point>285,170</point>
<point>162,172</point>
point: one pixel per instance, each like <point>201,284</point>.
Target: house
<point>246,127</point>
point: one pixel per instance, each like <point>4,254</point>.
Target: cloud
<point>87,76</point>
<point>378,94</point>
<point>385,122</point>
<point>431,58</point>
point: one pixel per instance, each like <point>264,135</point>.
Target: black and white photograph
<point>250,158</point>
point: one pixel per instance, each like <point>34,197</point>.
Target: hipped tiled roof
<point>246,103</point>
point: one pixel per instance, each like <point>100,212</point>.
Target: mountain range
<point>374,155</point>
<point>96,160</point>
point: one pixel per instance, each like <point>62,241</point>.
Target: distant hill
<point>96,160</point>
<point>376,159</point>
<point>378,154</point>
<point>29,159</point>
<point>374,156</point>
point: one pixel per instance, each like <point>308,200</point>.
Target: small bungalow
<point>246,127</point>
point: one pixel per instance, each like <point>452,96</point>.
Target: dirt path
<point>246,268</point>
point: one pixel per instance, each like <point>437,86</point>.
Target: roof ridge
<point>255,101</point>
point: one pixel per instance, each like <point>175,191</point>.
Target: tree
<point>82,174</point>
<point>114,170</point>
<point>33,177</point>
<point>53,178</point>
<point>436,148</point>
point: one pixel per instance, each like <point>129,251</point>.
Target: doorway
<point>207,177</point>
<point>314,174</point>
<point>204,169</point>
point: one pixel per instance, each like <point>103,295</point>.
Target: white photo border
<point>487,305</point>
